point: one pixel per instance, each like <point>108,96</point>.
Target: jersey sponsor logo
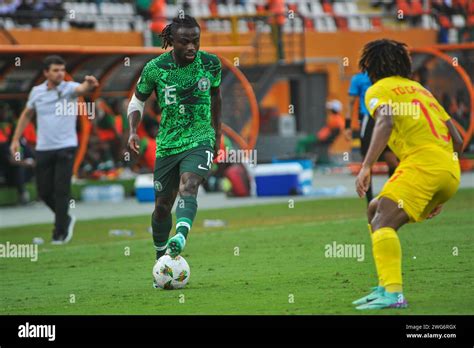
<point>204,84</point>
<point>170,94</point>
<point>158,186</point>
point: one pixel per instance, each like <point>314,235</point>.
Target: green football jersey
<point>184,97</point>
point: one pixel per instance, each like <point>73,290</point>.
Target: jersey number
<point>210,157</point>
<point>425,112</point>
<point>170,96</point>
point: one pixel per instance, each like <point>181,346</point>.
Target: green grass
<point>281,253</point>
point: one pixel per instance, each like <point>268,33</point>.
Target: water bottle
<point>125,233</point>
<point>214,223</point>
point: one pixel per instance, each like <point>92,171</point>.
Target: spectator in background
<point>108,128</point>
<point>277,20</point>
<point>462,111</point>
<point>9,7</point>
<point>57,139</point>
<point>16,173</point>
<point>143,8</point>
<point>326,135</point>
<point>158,21</point>
<point>360,82</point>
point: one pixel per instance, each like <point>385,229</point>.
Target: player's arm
<point>25,118</point>
<point>145,86</point>
<point>382,130</point>
<point>457,138</point>
<point>90,82</point>
<point>216,107</point>
<point>134,115</point>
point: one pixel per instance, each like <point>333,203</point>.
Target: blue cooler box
<point>144,188</point>
<point>278,179</point>
<point>306,175</point>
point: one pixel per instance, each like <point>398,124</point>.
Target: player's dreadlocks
<point>384,58</point>
<point>178,22</point>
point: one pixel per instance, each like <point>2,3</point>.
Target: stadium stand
<point>318,15</point>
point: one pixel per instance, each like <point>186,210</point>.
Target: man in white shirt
<point>55,104</point>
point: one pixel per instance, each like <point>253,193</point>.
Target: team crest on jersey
<point>204,84</point>
<point>373,102</point>
<point>158,186</point>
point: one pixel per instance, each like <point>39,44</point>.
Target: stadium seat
<point>308,24</point>
<point>404,8</point>
<point>376,23</point>
<point>293,26</point>
<point>304,10</point>
<point>458,21</point>
<point>444,21</point>
<point>92,8</point>
<point>242,26</point>
<point>223,10</point>
<point>427,22</point>
<point>470,21</point>
<point>195,11</point>
<point>416,8</point>
<point>250,9</point>
<point>205,10</point>
<point>171,11</point>
<point>65,26</point>
<point>327,7</point>
<point>325,24</point>
<point>226,27</point>
<point>339,9</point>
<point>352,8</point>
<point>316,8</point>
<point>129,9</point>
<point>343,22</point>
<point>452,35</point>
<point>331,24</point>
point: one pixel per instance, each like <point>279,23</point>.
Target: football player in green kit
<point>186,82</point>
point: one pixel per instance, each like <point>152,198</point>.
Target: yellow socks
<point>377,266</point>
<point>388,258</point>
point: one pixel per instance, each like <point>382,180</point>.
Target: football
<point>171,273</point>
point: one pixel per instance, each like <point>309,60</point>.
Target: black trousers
<point>53,179</point>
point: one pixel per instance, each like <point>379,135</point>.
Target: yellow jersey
<point>420,134</point>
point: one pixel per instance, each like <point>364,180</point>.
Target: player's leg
<point>166,183</point>
<point>388,218</point>
<point>185,211</point>
<point>378,290</point>
<point>447,189</point>
<point>194,169</point>
<point>62,192</point>
<point>162,222</point>
<point>44,172</point>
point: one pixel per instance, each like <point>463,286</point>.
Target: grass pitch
<point>268,260</point>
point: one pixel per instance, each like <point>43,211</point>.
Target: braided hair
<point>384,58</point>
<point>177,22</point>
